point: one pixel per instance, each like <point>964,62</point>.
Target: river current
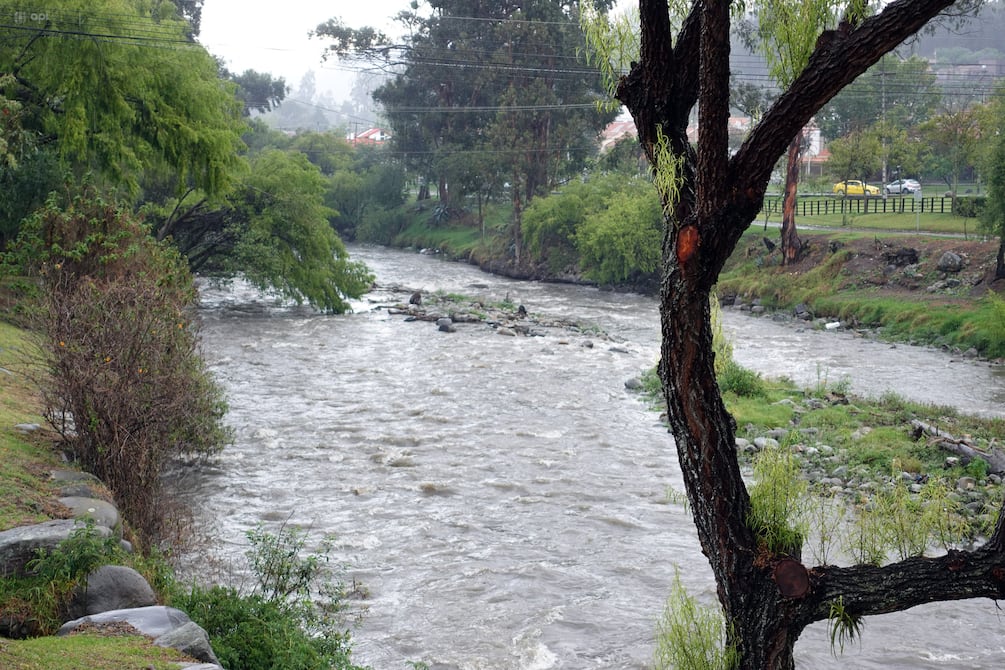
<point>502,501</point>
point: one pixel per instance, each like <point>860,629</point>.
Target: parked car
<point>855,187</point>
<point>903,186</point>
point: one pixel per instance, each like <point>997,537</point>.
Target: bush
<point>54,576</point>
<point>624,240</point>
<point>691,636</point>
<point>970,207</point>
<point>293,619</point>
<point>380,225</point>
<point>124,384</point>
<point>549,225</point>
<point>737,379</point>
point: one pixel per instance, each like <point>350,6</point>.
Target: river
<point>503,500</point>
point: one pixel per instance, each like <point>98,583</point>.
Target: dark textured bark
<point>719,198</point>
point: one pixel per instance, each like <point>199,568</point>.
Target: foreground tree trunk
<point>767,598</point>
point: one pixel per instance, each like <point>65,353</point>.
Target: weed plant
<point>777,502</point>
<point>293,616</point>
<point>690,636</point>
<point>44,596</point>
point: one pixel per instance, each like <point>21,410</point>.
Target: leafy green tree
<point>902,149</point>
<point>259,91</point>
<point>993,214</point>
<point>625,157</point>
<point>903,92</point>
<point>118,85</point>
<point>709,197</point>
<point>855,156</point>
<point>952,139</point>
<point>24,187</point>
<point>28,172</point>
<point>477,77</point>
<point>274,230</point>
<point>191,11</point>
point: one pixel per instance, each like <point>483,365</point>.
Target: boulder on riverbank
<point>111,595</point>
<point>168,626</point>
<point>18,546</point>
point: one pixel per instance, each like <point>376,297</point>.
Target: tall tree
<point>117,86</point>
<point>476,77</point>
<point>993,167</point>
<point>993,215</point>
<point>710,198</point>
<point>855,156</point>
<point>272,228</point>
<point>952,139</point>
<point>259,91</point>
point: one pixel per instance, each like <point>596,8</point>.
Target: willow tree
<point>710,198</point>
<point>118,86</point>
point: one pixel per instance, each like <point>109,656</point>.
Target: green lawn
<point>831,212</point>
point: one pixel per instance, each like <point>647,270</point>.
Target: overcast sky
<point>272,36</point>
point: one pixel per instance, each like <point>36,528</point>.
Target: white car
<point>903,186</point>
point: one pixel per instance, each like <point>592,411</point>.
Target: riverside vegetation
<point>132,298</point>
<point>606,231</point>
<point>101,345</point>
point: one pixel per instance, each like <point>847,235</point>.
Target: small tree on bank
<point>710,197</point>
<point>123,382</point>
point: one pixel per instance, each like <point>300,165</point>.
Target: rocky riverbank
<point>112,599</point>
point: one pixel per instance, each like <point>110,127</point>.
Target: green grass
<point>888,439</point>
<point>944,223</point>
<point>26,495</point>
<point>92,651</point>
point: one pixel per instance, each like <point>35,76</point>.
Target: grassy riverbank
<point>891,284</point>
<point>27,496</point>
<point>872,271</point>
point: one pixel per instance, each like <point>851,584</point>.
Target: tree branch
<point>173,220</point>
<point>867,590</point>
<point>840,56</point>
<point>713,101</point>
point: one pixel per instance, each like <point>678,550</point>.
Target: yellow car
<point>855,187</point>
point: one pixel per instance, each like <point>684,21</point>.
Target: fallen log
<point>993,456</point>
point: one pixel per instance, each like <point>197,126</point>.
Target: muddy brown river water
<point>503,500</point>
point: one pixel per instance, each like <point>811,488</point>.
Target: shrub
<point>380,225</point>
<point>776,500</point>
<point>737,379</point>
<point>39,603</point>
<point>970,208</point>
<point>623,240</point>
<point>125,385</point>
<point>549,224</point>
<point>293,618</point>
<point>690,636</point>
